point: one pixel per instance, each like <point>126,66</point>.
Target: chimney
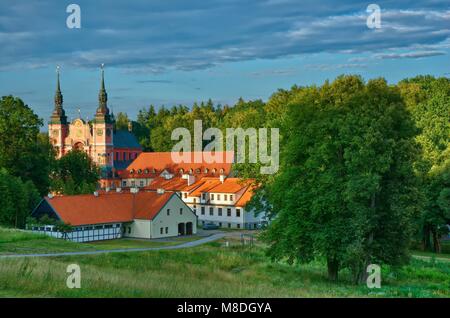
<point>222,178</point>
<point>130,126</point>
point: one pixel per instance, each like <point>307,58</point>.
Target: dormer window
<point>197,170</point>
<point>190,171</point>
<point>206,170</point>
<point>146,171</point>
<point>213,171</point>
<point>221,171</point>
<point>132,171</point>
<point>153,170</point>
<point>139,171</point>
<point>181,171</point>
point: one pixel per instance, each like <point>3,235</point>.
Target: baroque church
<point>112,150</point>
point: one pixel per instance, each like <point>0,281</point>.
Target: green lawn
<point>21,242</point>
<point>210,270</point>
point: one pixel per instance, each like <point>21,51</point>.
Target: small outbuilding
<point>112,215</point>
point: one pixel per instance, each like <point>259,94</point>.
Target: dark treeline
<point>364,166</point>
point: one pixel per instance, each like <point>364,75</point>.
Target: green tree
<point>346,188</point>
<point>22,152</point>
<point>122,121</point>
<point>17,199</point>
<point>428,100</point>
<point>75,173</point>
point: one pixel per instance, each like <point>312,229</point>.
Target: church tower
<point>57,127</point>
<point>102,130</point>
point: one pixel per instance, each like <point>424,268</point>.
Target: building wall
<point>171,221</point>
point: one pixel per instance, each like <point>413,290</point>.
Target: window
<point>238,212</point>
<point>218,197</point>
<point>181,211</point>
<point>167,230</point>
<point>195,200</point>
<point>228,212</point>
<point>133,183</point>
<point>185,195</point>
<point>220,211</point>
<point>124,183</point>
<point>231,197</point>
<point>229,225</point>
<point>203,210</point>
<point>161,231</point>
<point>225,197</point>
<point>168,211</point>
<point>141,183</point>
<point>238,226</point>
<point>211,211</point>
<point>212,196</point>
<point>129,230</point>
<point>204,196</point>
<point>220,224</point>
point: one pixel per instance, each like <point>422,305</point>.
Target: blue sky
<point>181,51</point>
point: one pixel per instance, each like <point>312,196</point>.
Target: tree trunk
<point>436,241</point>
<point>333,269</point>
<point>426,242</point>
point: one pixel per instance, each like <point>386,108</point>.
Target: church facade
<point>111,150</point>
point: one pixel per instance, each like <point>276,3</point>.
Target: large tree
<point>75,173</point>
<point>17,199</point>
<point>428,100</point>
<point>346,190</point>
<point>22,152</point>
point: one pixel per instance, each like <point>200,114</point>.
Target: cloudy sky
<point>180,51</point>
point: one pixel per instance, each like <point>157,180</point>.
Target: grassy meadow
<point>210,270</point>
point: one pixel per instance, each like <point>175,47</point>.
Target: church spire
<point>102,110</point>
<point>58,115</point>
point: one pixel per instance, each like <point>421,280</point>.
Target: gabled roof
<point>108,207</point>
<point>246,196</point>
<point>125,139</point>
<point>150,164</point>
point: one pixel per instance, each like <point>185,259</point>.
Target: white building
<point>111,215</point>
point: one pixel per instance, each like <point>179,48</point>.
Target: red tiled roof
<point>231,185</point>
<point>156,162</point>
<point>246,196</point>
<point>108,207</point>
<point>204,186</point>
<point>174,184</point>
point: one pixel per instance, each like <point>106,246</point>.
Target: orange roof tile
<point>174,184</point>
<point>231,185</point>
<point>151,164</point>
<point>206,186</point>
<point>108,207</point>
<point>246,196</point>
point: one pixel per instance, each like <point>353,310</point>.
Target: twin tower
<point>95,137</point>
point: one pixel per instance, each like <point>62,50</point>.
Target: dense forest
<point>364,166</point>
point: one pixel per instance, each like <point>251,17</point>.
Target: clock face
<point>79,133</point>
<point>99,132</point>
<point>55,133</point>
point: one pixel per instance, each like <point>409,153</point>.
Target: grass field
<point>210,270</point>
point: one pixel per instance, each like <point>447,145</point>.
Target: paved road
<point>201,241</point>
